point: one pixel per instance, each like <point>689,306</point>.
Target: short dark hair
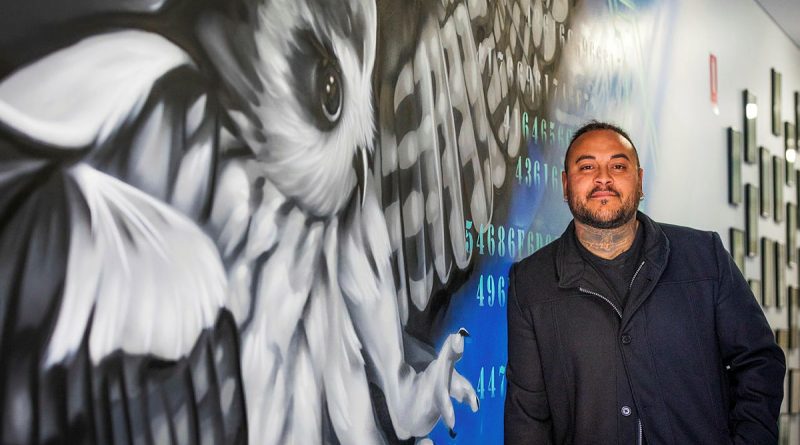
<point>595,125</point>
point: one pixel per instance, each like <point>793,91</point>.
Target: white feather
<point>149,161</point>
<point>192,179</point>
<point>84,103</point>
<point>153,277</point>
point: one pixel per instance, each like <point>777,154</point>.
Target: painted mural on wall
<point>276,221</point>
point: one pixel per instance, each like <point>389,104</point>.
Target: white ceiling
<point>786,13</point>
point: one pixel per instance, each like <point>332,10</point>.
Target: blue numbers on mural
<point>502,241</point>
<point>534,173</point>
<point>491,385</point>
<point>524,171</point>
<point>542,131</point>
<point>491,291</point>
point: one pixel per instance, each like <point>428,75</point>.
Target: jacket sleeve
<point>527,414</point>
<point>747,345</point>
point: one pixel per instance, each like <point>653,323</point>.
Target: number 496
<point>491,289</point>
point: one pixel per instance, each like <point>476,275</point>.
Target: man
<point>628,331</point>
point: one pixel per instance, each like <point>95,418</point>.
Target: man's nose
<point>603,177</point>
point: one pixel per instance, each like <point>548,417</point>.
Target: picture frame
<point>784,429</point>
<point>782,339</point>
<point>791,233</point>
<point>780,275</point>
<point>791,319</point>
<point>765,181</point>
<point>752,210</point>
<point>790,151</point>
<point>755,288</point>
<point>794,391</point>
<point>794,339</point>
<point>738,250</point>
<point>777,120</point>
<point>787,381</point>
<point>778,182</point>
<point>797,119</point>
<point>767,272</point>
<point>750,114</point>
<point>734,166</point>
<point>797,193</point>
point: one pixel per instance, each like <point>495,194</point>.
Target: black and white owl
<point>209,233</point>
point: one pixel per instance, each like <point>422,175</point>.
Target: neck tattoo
<point>607,243</point>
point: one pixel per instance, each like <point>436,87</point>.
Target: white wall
<point>689,184</point>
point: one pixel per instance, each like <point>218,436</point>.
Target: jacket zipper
<point>634,275</point>
<point>638,419</point>
<point>630,285</point>
<point>639,437</point>
<point>587,291</point>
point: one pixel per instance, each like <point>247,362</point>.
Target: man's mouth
<point>599,194</point>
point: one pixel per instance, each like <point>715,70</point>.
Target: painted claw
<point>463,332</point>
<point>361,167</point>
<point>452,433</point>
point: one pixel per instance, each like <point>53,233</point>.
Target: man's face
<point>602,181</point>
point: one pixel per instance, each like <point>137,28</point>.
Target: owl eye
<point>330,92</point>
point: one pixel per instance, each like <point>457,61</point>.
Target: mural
<point>278,221</point>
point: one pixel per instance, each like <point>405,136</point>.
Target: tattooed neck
<point>607,243</point>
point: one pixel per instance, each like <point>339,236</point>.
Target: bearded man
<point>629,331</point>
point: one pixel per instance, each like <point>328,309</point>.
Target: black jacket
<point>690,360</point>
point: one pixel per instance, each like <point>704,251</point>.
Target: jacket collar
<point>573,270</point>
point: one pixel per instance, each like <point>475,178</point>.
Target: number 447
<point>489,386</point>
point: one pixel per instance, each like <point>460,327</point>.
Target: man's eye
<point>619,167</point>
<point>585,167</point>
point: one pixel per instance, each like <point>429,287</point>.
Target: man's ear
<point>564,183</point>
<point>641,181</point>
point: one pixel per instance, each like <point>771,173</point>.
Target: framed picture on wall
<point>784,429</point>
<point>777,120</point>
<point>797,189</point>
<point>750,115</point>
<point>751,203</point>
<point>790,150</point>
<point>776,102</point>
<point>780,274</point>
<point>782,338</point>
<point>796,118</point>
<point>791,319</point>
<point>734,166</point>
<point>738,248</point>
<point>765,181</point>
<point>797,193</point>
<point>794,339</point>
<point>791,233</point>
<point>777,187</point>
<point>755,288</point>
<point>767,272</point>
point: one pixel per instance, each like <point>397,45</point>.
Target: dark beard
<point>585,216</point>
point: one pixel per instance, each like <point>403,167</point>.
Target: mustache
<point>603,189</point>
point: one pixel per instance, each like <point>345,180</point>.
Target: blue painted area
<point>486,348</point>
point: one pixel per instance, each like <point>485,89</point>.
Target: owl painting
<point>214,215</point>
